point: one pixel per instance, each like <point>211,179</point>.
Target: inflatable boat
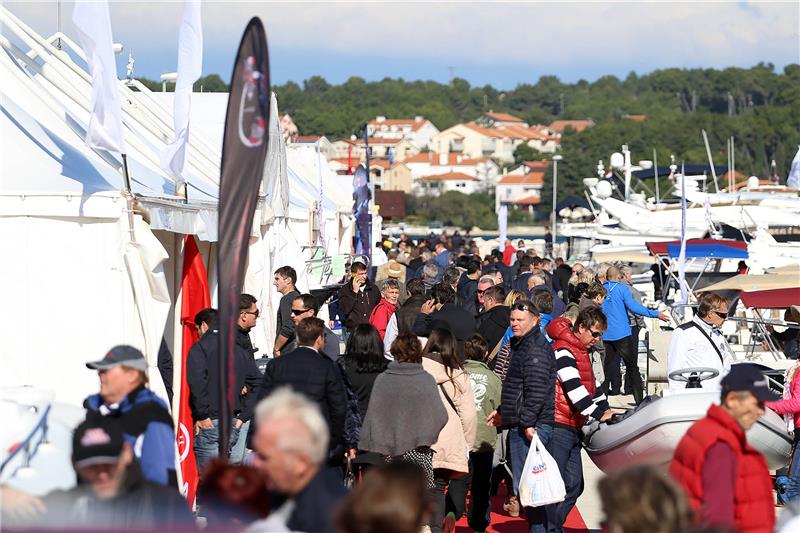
<point>650,434</point>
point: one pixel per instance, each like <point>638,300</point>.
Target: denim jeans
<point>237,452</point>
<point>206,444</point>
<point>565,447</point>
<point>537,516</point>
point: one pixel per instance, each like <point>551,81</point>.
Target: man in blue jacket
<point>618,339</point>
<point>144,417</point>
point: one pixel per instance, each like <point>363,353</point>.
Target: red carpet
<point>502,523</point>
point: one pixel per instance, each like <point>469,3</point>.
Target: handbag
<point>541,482</point>
<point>349,474</point>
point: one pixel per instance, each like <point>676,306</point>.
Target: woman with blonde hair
<point>643,498</point>
<point>514,296</point>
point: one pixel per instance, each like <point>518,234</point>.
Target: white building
<point>520,190</point>
<point>428,164</point>
<point>417,130</point>
<point>437,184</point>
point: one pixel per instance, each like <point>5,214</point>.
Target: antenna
<point>451,71</point>
<point>131,62</point>
<point>58,25</point>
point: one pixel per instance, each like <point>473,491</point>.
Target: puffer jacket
<point>753,498</point>
<point>790,406</point>
<point>458,435</point>
<point>529,387</point>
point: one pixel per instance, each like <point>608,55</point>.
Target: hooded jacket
<point>528,395</point>
<point>458,435</point>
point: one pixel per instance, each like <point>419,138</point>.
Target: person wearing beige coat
<point>451,450</point>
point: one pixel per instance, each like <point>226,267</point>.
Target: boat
<point>650,434</point>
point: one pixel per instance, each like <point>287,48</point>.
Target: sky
<point>497,43</point>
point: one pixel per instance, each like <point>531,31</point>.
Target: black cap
<point>97,440</point>
<point>120,355</point>
<point>747,377</point>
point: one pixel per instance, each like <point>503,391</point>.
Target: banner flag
<point>244,151</point>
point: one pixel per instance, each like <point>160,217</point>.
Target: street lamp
<point>556,159</point>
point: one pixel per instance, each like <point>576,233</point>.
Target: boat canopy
<point>701,248</point>
<point>756,282</point>
<point>771,299</point>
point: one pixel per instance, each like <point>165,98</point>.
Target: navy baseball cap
<point>747,377</point>
<point>120,355</point>
<point>97,440</point>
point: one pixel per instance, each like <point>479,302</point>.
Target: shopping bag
<point>541,481</point>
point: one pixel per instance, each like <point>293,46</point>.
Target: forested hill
<point>759,106</point>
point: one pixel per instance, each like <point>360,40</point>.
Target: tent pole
<point>128,196</point>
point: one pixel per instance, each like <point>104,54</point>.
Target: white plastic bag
<point>541,482</point>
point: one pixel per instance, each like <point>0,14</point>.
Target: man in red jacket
<point>578,397</point>
<point>726,480</point>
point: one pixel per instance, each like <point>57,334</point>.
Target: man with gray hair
<point>291,447</point>
<point>430,275</point>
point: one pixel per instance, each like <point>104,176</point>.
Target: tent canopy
<point>771,299</point>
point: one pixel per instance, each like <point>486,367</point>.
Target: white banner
<point>190,67</point>
<point>682,256</point>
<point>93,22</point>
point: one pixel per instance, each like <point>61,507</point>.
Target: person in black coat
<point>563,273</point>
<point>202,376</point>
<point>520,282</point>
<point>441,308</point>
<point>528,398</point>
<point>357,297</point>
<point>311,373</point>
<point>494,321</point>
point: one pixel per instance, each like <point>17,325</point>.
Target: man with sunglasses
<point>305,306</point>
<point>579,396</point>
<point>700,343</point>
<point>528,398</point>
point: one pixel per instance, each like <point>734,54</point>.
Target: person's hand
<point>203,424</point>
<point>356,283</point>
<point>663,316</point>
<point>350,454</point>
<point>21,505</point>
<point>244,391</point>
<point>494,419</point>
<point>530,433</point>
<point>608,414</point>
<point>276,353</point>
<point>428,307</point>
<point>238,423</point>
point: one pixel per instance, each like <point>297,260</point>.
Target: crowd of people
<point>452,363</point>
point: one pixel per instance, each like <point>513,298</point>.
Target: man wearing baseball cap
<point>112,493</point>
<point>143,416</point>
<point>727,480</point>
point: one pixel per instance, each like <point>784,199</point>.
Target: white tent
<point>83,271</point>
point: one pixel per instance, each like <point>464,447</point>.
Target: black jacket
<point>467,293</point>
<point>520,283</point>
<point>243,341</point>
<point>460,323</point>
<point>528,395</point>
<point>319,379</point>
<point>361,382</point>
<point>407,313</point>
<point>315,506</point>
<point>492,324</point>
<point>356,307</point>
<point>202,375</point>
<point>563,274</point>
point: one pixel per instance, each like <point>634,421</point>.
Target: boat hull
<point>651,434</point>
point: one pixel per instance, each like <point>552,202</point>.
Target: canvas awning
<point>771,299</point>
<point>756,282</point>
<point>701,248</point>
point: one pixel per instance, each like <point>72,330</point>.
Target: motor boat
<point>36,441</point>
<point>650,433</point>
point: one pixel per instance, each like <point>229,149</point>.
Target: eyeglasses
<point>254,313</point>
<point>596,334</point>
<point>720,314</point>
<point>524,307</point>
<point>481,291</point>
<point>296,312</point>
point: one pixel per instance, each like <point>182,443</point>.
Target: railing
<point>25,444</point>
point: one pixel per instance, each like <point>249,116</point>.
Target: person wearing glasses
<point>528,397</point>
<point>579,397</point>
<point>248,313</point>
<point>700,343</point>
<point>304,306</point>
<point>285,279</point>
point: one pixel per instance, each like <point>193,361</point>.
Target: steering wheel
<point>702,373</point>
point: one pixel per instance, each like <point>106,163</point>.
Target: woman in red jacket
<point>390,292</point>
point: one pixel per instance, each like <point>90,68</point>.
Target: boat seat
<point>657,359</point>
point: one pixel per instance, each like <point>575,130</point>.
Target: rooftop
<point>502,117</point>
<point>531,178</point>
<point>577,125</point>
<point>449,176</point>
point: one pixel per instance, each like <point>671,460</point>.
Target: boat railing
<point>27,446</point>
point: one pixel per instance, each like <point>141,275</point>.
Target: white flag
<point>93,21</point>
<point>190,67</point>
<point>502,225</point>
<point>793,180</point>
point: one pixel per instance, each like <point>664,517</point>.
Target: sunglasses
<point>596,334</point>
<point>524,307</point>
<point>720,314</point>
<point>481,291</point>
<point>296,312</point>
<point>254,313</point>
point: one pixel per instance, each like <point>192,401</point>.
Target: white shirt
<point>389,336</point>
<point>690,348</point>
